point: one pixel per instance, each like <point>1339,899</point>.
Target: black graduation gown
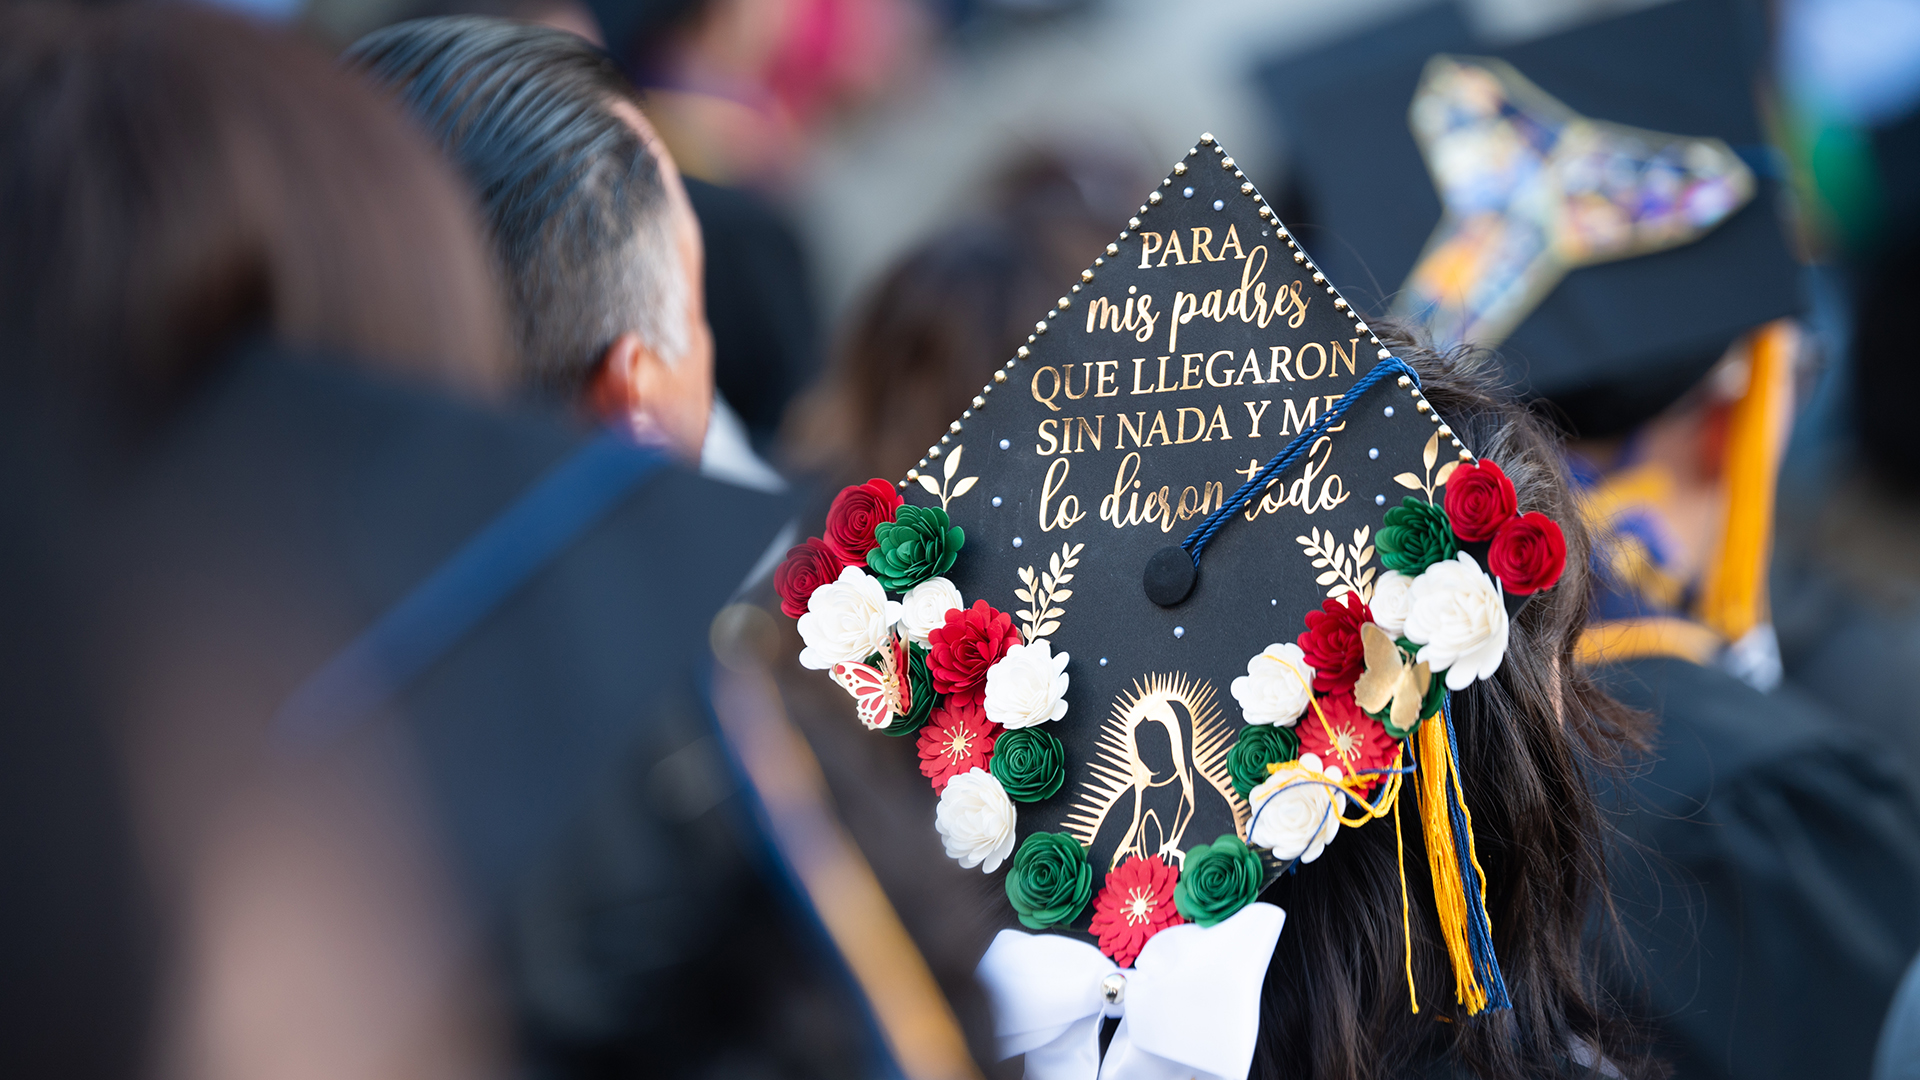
<point>1766,868</point>
<point>223,555</point>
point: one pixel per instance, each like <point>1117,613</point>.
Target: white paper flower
<point>1027,686</point>
<point>1459,620</point>
<point>975,820</point>
<point>925,608</point>
<point>847,619</point>
<point>1277,686</point>
<point>1392,599</point>
<point>1295,815</point>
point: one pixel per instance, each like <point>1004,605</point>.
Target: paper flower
<point>1392,598</point>
<point>1528,554</point>
<point>971,641</point>
<point>1479,500</point>
<point>958,739</point>
<point>1217,880</point>
<point>1050,880</point>
<point>1340,734</point>
<point>925,608</point>
<point>920,680</point>
<point>920,542</point>
<point>1295,813</point>
<point>1259,746</point>
<point>847,619</point>
<point>1135,903</point>
<point>1030,764</point>
<point>1416,535</point>
<point>1277,686</point>
<point>1027,686</point>
<point>856,512</point>
<point>808,565</point>
<point>1459,620</point>
<point>1331,643</point>
<point>975,820</point>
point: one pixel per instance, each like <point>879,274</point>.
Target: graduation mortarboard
<point>1599,203</point>
<point>1181,595</point>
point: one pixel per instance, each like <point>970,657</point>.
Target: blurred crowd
<point>406,403</point>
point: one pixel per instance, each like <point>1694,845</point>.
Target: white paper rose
<point>1277,686</point>
<point>1295,815</point>
<point>1027,686</point>
<point>1459,620</point>
<point>975,820</point>
<point>1392,599</point>
<point>847,619</point>
<point>925,608</point>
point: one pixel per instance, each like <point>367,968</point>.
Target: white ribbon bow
<point>1189,1005</point>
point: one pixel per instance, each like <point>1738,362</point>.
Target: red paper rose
<point>1348,738</point>
<point>1528,554</point>
<point>1332,643</point>
<point>855,512</point>
<point>1479,500</point>
<point>808,566</point>
<point>1135,903</point>
<point>959,653</point>
<point>957,738</point>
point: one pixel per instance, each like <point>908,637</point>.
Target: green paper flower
<point>1259,746</point>
<point>921,680</point>
<point>1050,882</point>
<point>1416,535</point>
<point>1029,763</point>
<point>1217,880</point>
<point>919,543</point>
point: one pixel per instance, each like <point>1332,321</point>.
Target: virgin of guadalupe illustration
<point>1163,748</point>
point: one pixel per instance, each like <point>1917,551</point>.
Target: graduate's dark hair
<point>575,198</point>
<point>1531,740</point>
<point>177,180</point>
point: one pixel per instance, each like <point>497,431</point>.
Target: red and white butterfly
<point>879,693</point>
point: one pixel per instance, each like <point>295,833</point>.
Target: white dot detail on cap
<point>1103,660</point>
<point>1017,541</point>
<point>1186,193</point>
<point>1179,631</point>
<point>1373,453</point>
<point>1219,204</point>
<point>1388,411</point>
<point>1274,602</point>
<point>1005,443</point>
<point>996,500</point>
<point>1379,500</point>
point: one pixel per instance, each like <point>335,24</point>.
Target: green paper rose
<point>921,680</point>
<point>1259,746</point>
<point>1050,882</point>
<point>919,543</point>
<point>1416,535</point>
<point>1029,763</point>
<point>1217,880</point>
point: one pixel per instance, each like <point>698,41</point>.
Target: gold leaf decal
<point>947,490</point>
<point>1045,592</point>
<point>1433,480</point>
<point>1427,457</point>
<point>1343,566</point>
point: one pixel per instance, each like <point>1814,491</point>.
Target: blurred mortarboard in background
<point>1668,236</point>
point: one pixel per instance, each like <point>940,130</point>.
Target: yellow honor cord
<point>1443,861</point>
<point>1406,916</point>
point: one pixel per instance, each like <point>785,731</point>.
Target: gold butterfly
<point>1390,677</point>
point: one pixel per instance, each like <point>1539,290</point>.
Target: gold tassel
<point>1449,890</point>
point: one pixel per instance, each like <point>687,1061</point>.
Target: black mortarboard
<point>1648,120</point>
<point>1113,666</point>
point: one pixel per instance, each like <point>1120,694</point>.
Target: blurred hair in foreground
<point>176,181</point>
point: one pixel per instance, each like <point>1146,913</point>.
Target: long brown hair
<point>176,181</point>
<point>1531,740</point>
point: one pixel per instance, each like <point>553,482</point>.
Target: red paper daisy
<point>958,738</point>
<point>1348,738</point>
<point>1135,903</point>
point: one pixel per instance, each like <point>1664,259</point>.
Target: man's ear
<point>630,384</point>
